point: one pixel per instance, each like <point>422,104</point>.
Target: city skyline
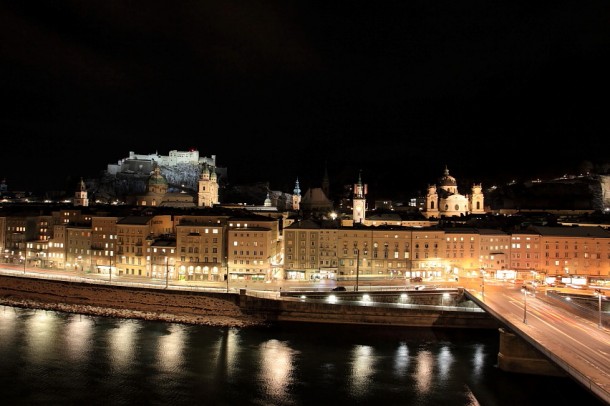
<point>283,91</point>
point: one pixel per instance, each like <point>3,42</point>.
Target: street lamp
<point>357,267</point>
<point>23,265</point>
<point>483,284</point>
<point>227,275</point>
<point>599,301</point>
<point>524,305</point>
<point>166,272</point>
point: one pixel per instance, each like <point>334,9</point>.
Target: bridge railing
<point>572,306</point>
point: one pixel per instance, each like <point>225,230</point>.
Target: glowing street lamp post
<point>357,268</point>
<point>483,284</point>
<point>524,305</point>
<point>166,272</point>
<point>227,275</point>
<point>599,301</point>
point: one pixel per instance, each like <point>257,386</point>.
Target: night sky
<point>284,89</point>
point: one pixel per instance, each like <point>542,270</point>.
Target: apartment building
<point>254,248</point>
<point>494,252</point>
<point>525,253</point>
<point>103,244</point>
<point>200,248</point>
<point>134,235</point>
<point>574,254</point>
<point>309,251</point>
<point>462,250</point>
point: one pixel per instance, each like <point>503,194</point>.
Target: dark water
<point>51,358</point>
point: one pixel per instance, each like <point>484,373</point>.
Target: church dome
<point>156,178</point>
<point>447,180</point>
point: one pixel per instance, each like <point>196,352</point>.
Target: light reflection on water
<point>78,337</point>
<point>401,359</point>
<point>444,362</point>
<point>53,358</point>
<point>362,371</point>
<point>424,369</point>
<point>40,334</point>
<point>122,344</point>
<point>276,361</point>
<point>170,349</point>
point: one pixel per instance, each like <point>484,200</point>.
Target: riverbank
<point>213,309</point>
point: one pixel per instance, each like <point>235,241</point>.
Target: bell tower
<point>296,196</point>
<point>207,189</point>
<point>359,201</point>
<point>80,196</point>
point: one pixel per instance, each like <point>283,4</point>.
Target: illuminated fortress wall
<point>174,158</point>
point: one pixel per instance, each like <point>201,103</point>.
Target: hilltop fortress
<point>139,163</point>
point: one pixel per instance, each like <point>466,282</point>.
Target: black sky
<point>282,89</point>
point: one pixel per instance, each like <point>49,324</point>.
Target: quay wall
<point>424,310</point>
<point>192,307</point>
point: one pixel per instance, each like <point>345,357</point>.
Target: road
<point>579,346</point>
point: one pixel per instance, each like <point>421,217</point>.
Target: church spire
<point>326,182</point>
<point>297,188</point>
<point>296,196</point>
<point>359,191</point>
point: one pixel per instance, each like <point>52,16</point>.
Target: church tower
<point>432,202</point>
<point>476,200</point>
<point>80,197</point>
<point>359,201</point>
<point>207,193</point>
<point>296,196</point>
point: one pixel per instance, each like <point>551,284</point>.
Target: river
<point>54,358</point>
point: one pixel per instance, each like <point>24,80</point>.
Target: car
<point>416,279</point>
<point>339,289</point>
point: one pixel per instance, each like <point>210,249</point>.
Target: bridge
<point>577,345</point>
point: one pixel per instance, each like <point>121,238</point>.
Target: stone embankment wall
<point>427,312</point>
<point>209,308</point>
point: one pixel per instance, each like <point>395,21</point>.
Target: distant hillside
<point>179,177</point>
<point>576,193</point>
